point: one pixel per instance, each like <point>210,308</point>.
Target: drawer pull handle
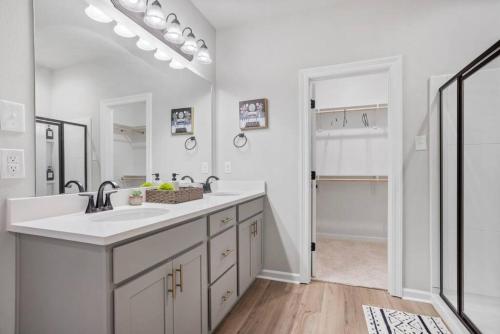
<point>226,220</point>
<point>226,296</point>
<point>181,276</point>
<point>227,252</point>
<point>173,286</point>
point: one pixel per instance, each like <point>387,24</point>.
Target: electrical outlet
<point>227,167</point>
<point>12,164</point>
<point>12,116</point>
<point>204,167</point>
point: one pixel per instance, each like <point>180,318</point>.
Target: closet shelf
<point>334,133</point>
<point>366,107</point>
<point>353,178</point>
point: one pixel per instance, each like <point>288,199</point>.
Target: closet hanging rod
<point>353,178</point>
<point>353,108</point>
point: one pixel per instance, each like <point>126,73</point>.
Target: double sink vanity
<point>156,268</point>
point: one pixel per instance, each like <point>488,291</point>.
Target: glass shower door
<point>481,196</point>
<point>470,193</point>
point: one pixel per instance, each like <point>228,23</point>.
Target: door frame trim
<point>394,67</point>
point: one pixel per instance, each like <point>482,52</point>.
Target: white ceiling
<point>227,13</point>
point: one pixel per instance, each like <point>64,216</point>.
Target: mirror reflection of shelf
<point>353,178</point>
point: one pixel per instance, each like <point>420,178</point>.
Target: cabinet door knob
<point>227,252</point>
<point>181,277</point>
<point>226,296</point>
<point>226,220</point>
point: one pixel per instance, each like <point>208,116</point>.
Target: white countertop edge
<point>109,240</point>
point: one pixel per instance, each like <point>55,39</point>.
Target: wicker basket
<point>173,197</point>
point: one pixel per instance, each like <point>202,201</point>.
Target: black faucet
<point>99,204</point>
<point>188,177</point>
<point>81,188</point>
<point>206,185</point>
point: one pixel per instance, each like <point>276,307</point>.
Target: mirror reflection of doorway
<point>125,132</point>
<point>129,144</point>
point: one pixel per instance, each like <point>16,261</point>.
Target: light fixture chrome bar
<point>138,18</point>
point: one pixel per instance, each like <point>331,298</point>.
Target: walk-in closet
<point>351,158</point>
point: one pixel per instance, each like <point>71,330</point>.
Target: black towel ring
<point>190,143</point>
<point>235,139</point>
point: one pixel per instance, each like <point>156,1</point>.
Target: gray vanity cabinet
<point>176,290</point>
<point>249,251</point>
<point>145,305</point>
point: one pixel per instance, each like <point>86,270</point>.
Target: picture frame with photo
<point>182,121</point>
<point>253,114</point>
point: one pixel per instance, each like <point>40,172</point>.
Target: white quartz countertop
<point>87,228</point>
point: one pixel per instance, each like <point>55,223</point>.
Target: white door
<point>313,177</point>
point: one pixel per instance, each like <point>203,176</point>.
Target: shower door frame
<point>60,124</point>
<point>478,63</point>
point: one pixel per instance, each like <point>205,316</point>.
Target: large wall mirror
<point>106,110</point>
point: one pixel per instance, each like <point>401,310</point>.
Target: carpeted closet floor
<point>352,262</point>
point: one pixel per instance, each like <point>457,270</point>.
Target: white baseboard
<point>350,237</point>
<point>417,295</point>
<point>280,276</point>
<point>452,322</point>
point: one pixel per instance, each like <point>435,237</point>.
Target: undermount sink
<point>224,193</point>
<point>125,215</point>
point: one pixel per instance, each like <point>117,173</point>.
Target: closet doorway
<point>351,160</point>
<point>351,118</point>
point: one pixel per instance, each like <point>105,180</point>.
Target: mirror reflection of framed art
<point>182,121</point>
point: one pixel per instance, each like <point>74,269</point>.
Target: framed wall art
<point>253,114</point>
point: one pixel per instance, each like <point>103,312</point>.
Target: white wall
<point>352,91</point>
<point>263,60</point>
<point>16,84</point>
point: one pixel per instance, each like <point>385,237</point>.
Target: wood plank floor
<point>319,307</point>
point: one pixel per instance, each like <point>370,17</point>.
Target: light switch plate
<point>12,164</point>
<point>227,167</point>
<point>204,167</point>
<point>12,116</point>
<point>421,143</point>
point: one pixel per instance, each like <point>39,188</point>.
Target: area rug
<point>386,321</point>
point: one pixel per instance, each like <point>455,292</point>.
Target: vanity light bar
<point>149,15</point>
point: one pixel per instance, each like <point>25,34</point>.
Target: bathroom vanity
<point>154,269</point>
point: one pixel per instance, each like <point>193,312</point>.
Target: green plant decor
<point>166,187</point>
<point>136,193</point>
<point>147,184</point>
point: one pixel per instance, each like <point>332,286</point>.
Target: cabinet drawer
<point>139,255</point>
<point>222,253</point>
<point>222,297</point>
<point>251,208</point>
<point>222,220</point>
